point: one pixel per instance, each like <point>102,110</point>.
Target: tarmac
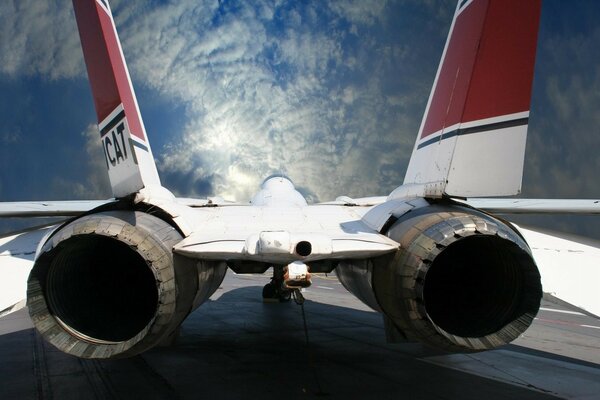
<point>235,346</point>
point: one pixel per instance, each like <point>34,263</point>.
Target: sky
<point>329,93</point>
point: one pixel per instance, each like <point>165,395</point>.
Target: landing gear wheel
<point>285,295</point>
<point>272,293</point>
<point>269,292</point>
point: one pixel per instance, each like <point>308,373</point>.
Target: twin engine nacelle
<point>461,281</point>
<point>108,285</point>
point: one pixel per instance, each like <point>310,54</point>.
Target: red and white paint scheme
<point>475,123</point>
<point>126,148</point>
<point>121,275</point>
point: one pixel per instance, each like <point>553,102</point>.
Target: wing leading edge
<point>22,209</point>
<point>536,206</point>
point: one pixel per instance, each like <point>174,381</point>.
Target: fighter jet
<point>119,276</point>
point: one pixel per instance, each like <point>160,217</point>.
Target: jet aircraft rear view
<point>120,276</point>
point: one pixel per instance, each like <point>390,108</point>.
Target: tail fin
<point>472,138</point>
<point>128,155</point>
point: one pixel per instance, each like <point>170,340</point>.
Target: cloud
<point>95,184</point>
<point>330,94</point>
<point>267,87</point>
<point>39,38</point>
<point>272,87</point>
<point>562,158</point>
<point>359,12</point>
<point>564,136</point>
<point>10,136</point>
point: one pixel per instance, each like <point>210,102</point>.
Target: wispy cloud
<point>565,136</point>
<point>39,38</point>
<point>298,88</point>
<point>272,87</point>
<point>359,12</point>
<point>10,136</point>
<point>95,184</point>
<point>328,93</point>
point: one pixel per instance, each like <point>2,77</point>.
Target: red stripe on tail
<point>105,64</point>
<point>488,67</point>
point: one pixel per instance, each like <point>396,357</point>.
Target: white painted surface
<point>124,172</point>
<point>488,163</point>
<point>536,206</point>
<point>48,208</point>
<point>234,232</point>
<point>569,270</point>
<point>278,191</point>
<point>17,253</point>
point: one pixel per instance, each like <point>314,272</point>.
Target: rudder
<point>472,137</point>
<point>129,159</point>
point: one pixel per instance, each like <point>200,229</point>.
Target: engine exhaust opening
<point>479,284</point>
<point>107,285</point>
<point>100,288</point>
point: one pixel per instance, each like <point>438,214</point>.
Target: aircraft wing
<point>493,205</point>
<point>18,249</point>
<point>535,206</point>
<point>568,266</point>
<point>48,208</point>
<point>17,252</point>
<point>73,208</point>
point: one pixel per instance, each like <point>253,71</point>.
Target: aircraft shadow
<point>238,347</point>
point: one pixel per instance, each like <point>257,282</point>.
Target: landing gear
<point>275,291</point>
<point>271,292</point>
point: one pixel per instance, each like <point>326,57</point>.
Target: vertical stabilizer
<point>472,138</point>
<point>128,155</point>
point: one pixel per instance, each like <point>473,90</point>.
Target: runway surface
<point>237,347</point>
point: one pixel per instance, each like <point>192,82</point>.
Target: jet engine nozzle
<point>107,285</point>
<point>461,281</point>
